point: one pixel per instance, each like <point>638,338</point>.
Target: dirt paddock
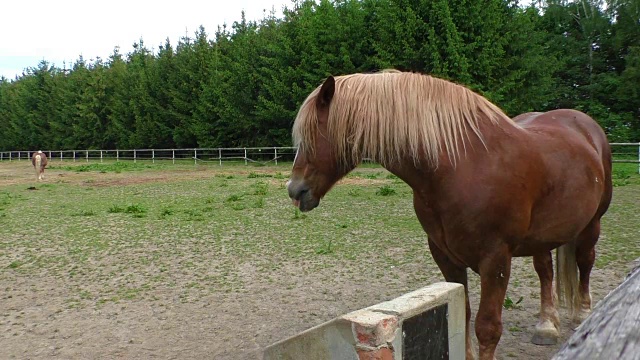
<point>51,307</point>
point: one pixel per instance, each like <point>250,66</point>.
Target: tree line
<point>242,85</point>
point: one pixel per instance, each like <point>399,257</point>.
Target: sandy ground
<point>35,323</point>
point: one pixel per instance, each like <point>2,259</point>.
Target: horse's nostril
<point>301,193</point>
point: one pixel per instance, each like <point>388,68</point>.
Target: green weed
<point>253,175</point>
<point>234,198</point>
<point>85,213</point>
<point>386,190</point>
<point>509,304</point>
<point>116,167</point>
<point>261,189</point>
<point>115,209</point>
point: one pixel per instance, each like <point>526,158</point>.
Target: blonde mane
<point>390,115</point>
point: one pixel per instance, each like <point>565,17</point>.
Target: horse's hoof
<point>545,334</point>
<point>538,339</point>
<point>582,315</point>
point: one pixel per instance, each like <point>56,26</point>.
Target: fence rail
<point>622,153</point>
<point>261,155</point>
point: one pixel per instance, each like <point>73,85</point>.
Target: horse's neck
<point>421,174</point>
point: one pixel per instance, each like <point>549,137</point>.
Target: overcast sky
<point>57,31</point>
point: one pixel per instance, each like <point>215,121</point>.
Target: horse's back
<point>523,119</point>
<point>556,121</point>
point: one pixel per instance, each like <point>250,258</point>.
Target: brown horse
<point>39,161</point>
<point>485,188</point>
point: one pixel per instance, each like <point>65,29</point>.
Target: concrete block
<point>377,332</point>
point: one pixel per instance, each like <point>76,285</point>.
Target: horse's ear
<point>326,92</point>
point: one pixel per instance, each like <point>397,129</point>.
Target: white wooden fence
<point>622,152</point>
<point>261,155</point>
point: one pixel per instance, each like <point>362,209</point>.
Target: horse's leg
<point>494,269</point>
<point>546,332</point>
<point>585,257</point>
<point>453,273</point>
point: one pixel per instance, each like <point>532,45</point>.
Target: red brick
<point>377,354</point>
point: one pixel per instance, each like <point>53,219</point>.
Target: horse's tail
<point>38,165</point>
<point>567,277</point>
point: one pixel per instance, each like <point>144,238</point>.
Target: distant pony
<point>39,161</point>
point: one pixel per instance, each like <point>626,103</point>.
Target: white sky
<point>33,30</point>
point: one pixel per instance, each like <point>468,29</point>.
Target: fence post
<point>195,156</point>
<point>10,153</point>
<point>153,156</point>
<point>100,155</point>
<point>639,158</point>
<point>173,155</point>
<point>49,154</point>
<point>134,156</point>
<point>220,156</point>
<point>74,156</point>
<point>60,156</point>
<point>117,155</point>
<point>275,155</point>
<point>245,156</point>
<point>87,153</point>
<point>19,156</point>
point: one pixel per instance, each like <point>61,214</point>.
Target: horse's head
<point>316,168</point>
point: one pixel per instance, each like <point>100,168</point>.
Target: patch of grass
<point>115,209</point>
<point>234,198</point>
<point>325,250</point>
<point>509,304</point>
<point>166,212</point>
<point>135,209</point>
<point>355,192</point>
<point>297,214</point>
<point>261,189</point>
<point>621,177</point>
<point>7,198</point>
<point>85,213</point>
<point>116,167</point>
<point>238,206</point>
<point>194,215</point>
<point>259,204</point>
<point>386,190</point>
<point>253,175</point>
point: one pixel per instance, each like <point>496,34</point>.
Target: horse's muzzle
<point>301,195</point>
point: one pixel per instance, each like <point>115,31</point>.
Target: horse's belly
<point>555,228</point>
<point>534,247</point>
